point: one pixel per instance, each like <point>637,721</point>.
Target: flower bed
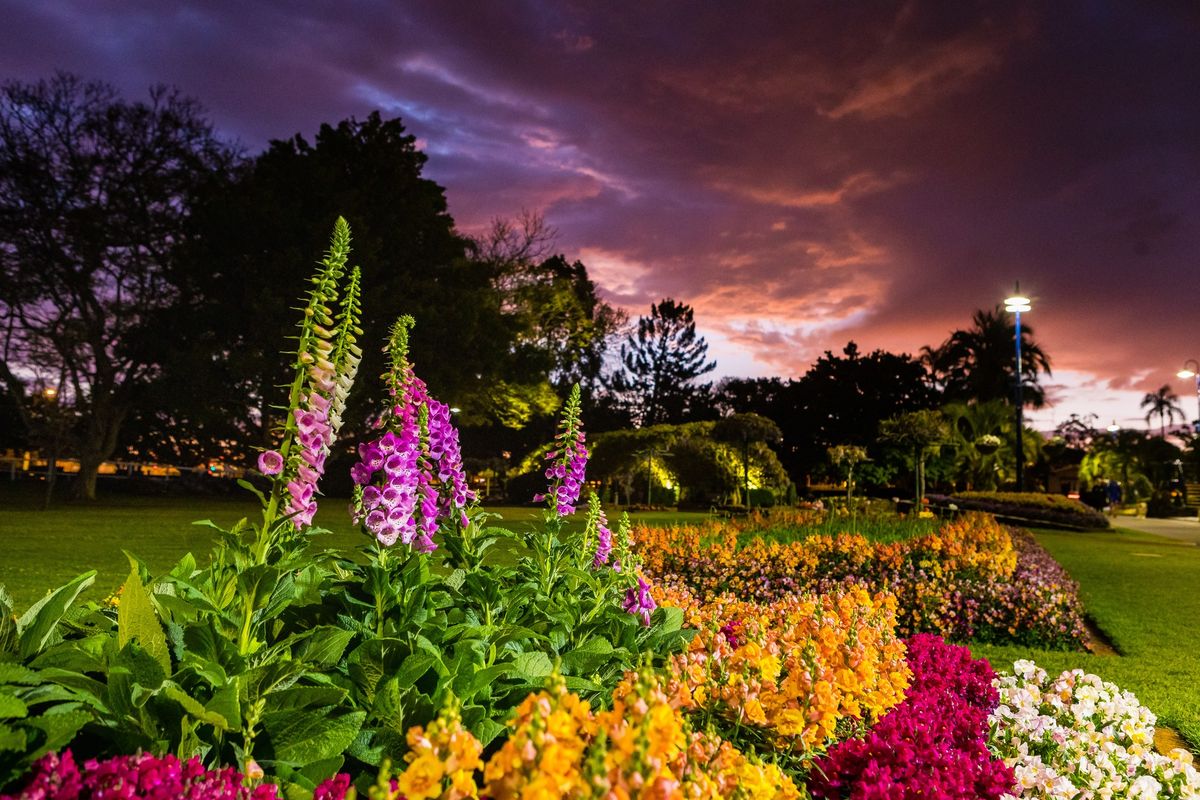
<point>971,579</point>
<point>726,667</point>
<point>784,677</point>
<point>933,745</point>
<point>1078,737</point>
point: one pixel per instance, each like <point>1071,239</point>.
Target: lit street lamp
<point>1191,369</point>
<point>1016,304</point>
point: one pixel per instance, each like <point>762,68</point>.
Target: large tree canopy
<point>95,198</point>
<point>839,401</point>
<point>481,348</point>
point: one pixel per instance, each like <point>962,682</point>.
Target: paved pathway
<point>1185,529</point>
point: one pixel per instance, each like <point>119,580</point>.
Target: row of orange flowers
<point>713,561</point>
<point>786,679</point>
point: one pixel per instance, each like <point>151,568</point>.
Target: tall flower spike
<point>597,527</point>
<point>568,460</point>
<point>623,558</point>
<point>321,375</point>
<point>346,352</point>
<point>410,477</point>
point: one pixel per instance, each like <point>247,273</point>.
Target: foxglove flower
<point>327,361</point>
<point>568,461</point>
<point>270,462</point>
<point>639,602</point>
<point>597,525</point>
<point>411,477</point>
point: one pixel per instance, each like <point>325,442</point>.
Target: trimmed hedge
<point>1049,510</point>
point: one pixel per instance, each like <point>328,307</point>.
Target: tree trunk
<point>51,475</point>
<point>920,481</point>
<point>99,443</point>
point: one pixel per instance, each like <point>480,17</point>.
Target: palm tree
<point>978,363</point>
<point>983,437</point>
<point>1165,404</point>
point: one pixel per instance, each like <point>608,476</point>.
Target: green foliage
<point>705,462</point>
<point>983,440</point>
<point>1135,460</point>
<point>915,433</point>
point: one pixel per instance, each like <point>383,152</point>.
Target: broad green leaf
<point>589,655</point>
<point>672,619</point>
<point>324,645</point>
<point>486,676</point>
<point>302,737</point>
<point>533,666</point>
<point>12,740</point>
<point>413,668</point>
<point>137,620</point>
<point>12,707</point>
<point>298,698</point>
<point>455,579</point>
<point>60,728</point>
<point>225,702</point>
<point>486,730</point>
<point>15,673</point>
<point>37,625</point>
<point>8,624</point>
<point>194,707</point>
<point>577,684</point>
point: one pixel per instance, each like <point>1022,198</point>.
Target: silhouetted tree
<point>95,199</point>
<point>1164,404</point>
<point>915,433</point>
<point>479,343</point>
<point>978,363</point>
<point>662,362</point>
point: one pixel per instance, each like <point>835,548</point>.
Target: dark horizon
<point>801,179</point>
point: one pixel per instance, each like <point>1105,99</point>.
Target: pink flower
<point>270,462</point>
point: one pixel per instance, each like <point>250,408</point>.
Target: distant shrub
<point>1052,510</point>
<point>762,498</point>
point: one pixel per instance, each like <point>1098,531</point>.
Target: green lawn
<point>43,549</point>
<point>1144,593</point>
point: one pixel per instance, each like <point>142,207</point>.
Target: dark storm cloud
<point>802,174</point>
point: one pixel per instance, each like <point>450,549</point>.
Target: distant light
<point>50,393</point>
<point>1017,303</point>
<point>455,409</point>
<point>1185,373</point>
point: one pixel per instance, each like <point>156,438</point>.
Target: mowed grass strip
<point>1143,592</point>
<point>41,550</point>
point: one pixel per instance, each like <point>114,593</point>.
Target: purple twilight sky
<point>801,173</point>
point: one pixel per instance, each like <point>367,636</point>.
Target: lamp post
<point>1016,304</point>
<point>1191,369</point>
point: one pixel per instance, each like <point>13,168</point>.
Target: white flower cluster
<point>1077,737</point>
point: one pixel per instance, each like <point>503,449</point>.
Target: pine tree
<point>661,362</point>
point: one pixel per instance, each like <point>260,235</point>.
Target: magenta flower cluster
<point>639,602</point>
<point>604,542</point>
<point>412,475</point>
<point>148,777</point>
<point>314,436</point>
<point>568,461</point>
<point>932,746</point>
